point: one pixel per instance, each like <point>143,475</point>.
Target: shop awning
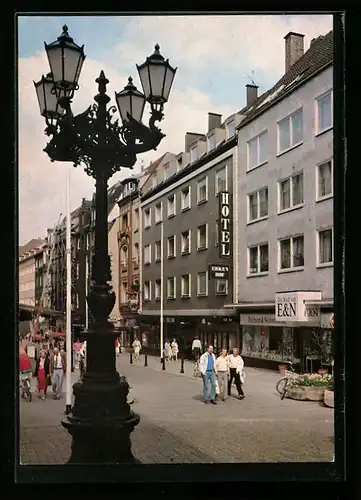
<point>319,302</point>
<point>250,305</point>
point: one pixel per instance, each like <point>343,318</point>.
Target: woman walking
<point>175,350</point>
<point>42,373</point>
<point>222,366</point>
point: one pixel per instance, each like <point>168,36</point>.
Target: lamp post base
<point>101,421</point>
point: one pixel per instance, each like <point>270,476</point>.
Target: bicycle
<point>196,372</point>
<point>282,384</point>
<point>26,389</point>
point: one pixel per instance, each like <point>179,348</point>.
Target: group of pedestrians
<point>171,350</point>
<point>221,372</point>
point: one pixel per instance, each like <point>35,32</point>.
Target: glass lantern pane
<point>156,73</point>
<point>51,99</point>
<point>55,63</point>
<point>124,106</point>
<point>169,77</point>
<point>71,61</point>
<point>40,95</point>
<point>138,103</point>
<point>144,78</point>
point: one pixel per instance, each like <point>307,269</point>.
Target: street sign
<point>218,272</point>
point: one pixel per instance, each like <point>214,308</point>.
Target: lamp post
<point>101,421</point>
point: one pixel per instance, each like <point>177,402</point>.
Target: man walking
<point>57,371</point>
<point>207,367</point>
<point>236,365</point>
<point>196,348</point>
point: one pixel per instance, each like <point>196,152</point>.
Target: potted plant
<point>309,387</point>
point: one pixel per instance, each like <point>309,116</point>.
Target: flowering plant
<point>312,380</point>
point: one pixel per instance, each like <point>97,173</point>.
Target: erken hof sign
<point>218,272</point>
<point>291,306</point>
<point>225,224</point>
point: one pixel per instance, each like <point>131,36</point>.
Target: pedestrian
<point>136,348</point>
<point>42,373</point>
<point>117,347</point>
<point>175,350</point>
<point>196,348</point>
<point>76,353</point>
<point>57,371</point>
<point>25,371</point>
<point>222,367</point>
<point>208,369</point>
<point>167,351</point>
<point>83,349</point>
<point>236,366</point>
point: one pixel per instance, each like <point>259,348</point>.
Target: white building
<point>284,207</point>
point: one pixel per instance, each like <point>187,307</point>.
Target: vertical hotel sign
<point>225,224</point>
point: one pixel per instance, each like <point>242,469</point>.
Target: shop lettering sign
<point>286,307</point>
<point>225,224</point>
<point>298,307</point>
<point>312,312</point>
<point>218,271</point>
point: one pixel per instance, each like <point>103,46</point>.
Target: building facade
<point>284,211</point>
<point>181,227</point>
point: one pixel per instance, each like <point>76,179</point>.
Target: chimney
<point>191,137</point>
<point>294,48</point>
<point>252,94</point>
<point>214,121</point>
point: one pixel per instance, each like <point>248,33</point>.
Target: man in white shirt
<point>236,365</point>
<point>57,370</point>
<point>208,369</point>
<point>196,348</point>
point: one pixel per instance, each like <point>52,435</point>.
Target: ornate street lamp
<point>101,420</point>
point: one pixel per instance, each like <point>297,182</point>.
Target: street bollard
<point>131,358</point>
<point>145,359</point>
<point>163,363</point>
<point>182,364</point>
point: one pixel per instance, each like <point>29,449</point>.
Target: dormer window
<point>154,180</point>
<point>230,129</point>
<point>194,153</point>
<point>211,142</point>
<point>166,171</point>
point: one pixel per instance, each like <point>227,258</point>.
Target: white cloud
<point>194,44</point>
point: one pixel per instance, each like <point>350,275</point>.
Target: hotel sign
<point>218,272</point>
<point>225,224</point>
<point>291,307</point>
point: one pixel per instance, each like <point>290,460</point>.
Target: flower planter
<point>306,393</point>
<point>329,398</point>
<point>323,371</point>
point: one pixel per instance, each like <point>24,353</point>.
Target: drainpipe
<point>236,232</point>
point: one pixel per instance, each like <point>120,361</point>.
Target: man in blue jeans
<point>207,367</point>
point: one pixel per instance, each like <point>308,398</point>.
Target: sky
<point>216,57</point>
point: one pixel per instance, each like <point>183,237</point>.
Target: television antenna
<point>252,79</point>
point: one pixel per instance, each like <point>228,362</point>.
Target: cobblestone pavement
<point>176,426</point>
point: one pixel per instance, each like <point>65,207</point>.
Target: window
<point>157,251</point>
<point>202,190</point>
<point>166,171</point>
<point>171,206</point>
<point>202,283</point>
<point>124,256</point>
<point>157,289</point>
<point>324,180</point>
<point>324,113</point>
<point>147,218</point>
<point>158,213</point>
<point>216,233</point>
<point>290,131</point>
<point>171,247</point>
<point>136,253</point>
<point>125,222</point>
<point>291,192</point>
<point>194,153</point>
<point>171,288</point>
<point>325,244</point>
<point>186,198</point>
<point>154,180</point>
<point>221,180</point>
<point>147,254</point>
<point>221,287</point>
<point>258,150</point>
<point>258,259</point>
<point>258,205</point>
<point>186,242</point>
<point>136,219</point>
<point>147,290</point>
<point>211,142</point>
<point>202,237</point>
<point>291,253</point>
<point>230,129</point>
<point>186,285</point>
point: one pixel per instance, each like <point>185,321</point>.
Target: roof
<point>31,245</point>
<point>315,59</point>
<point>152,168</point>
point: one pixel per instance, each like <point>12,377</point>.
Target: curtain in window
<point>263,203</point>
<point>297,186</point>
<point>324,112</point>
<point>325,179</point>
<point>263,258</point>
<point>285,194</point>
<point>297,128</point>
<point>284,134</point>
<point>253,207</point>
<point>298,259</point>
<point>253,260</point>
<point>326,246</point>
<point>285,254</point>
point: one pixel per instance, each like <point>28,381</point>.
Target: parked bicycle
<point>282,385</point>
<point>25,388</point>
